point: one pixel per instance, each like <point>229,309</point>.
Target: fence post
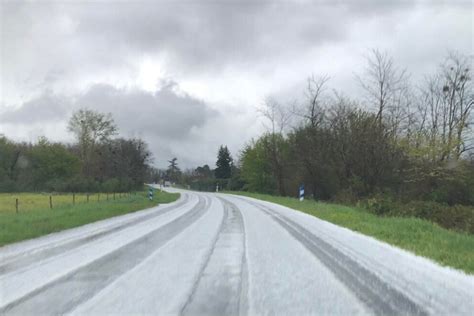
<point>87,197</point>
<point>107,194</point>
<point>16,205</point>
<point>50,202</point>
<point>73,198</point>
<point>98,197</point>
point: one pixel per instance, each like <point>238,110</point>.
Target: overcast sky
<point>187,76</point>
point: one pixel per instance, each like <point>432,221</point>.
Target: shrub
<point>457,217</point>
<point>379,205</point>
<point>345,196</point>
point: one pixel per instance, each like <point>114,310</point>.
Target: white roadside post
<point>217,188</point>
<point>150,193</point>
<point>301,192</point>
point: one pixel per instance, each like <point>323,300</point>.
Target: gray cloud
<point>204,34</point>
<point>166,119</point>
<point>163,114</point>
<point>73,37</point>
<point>45,108</point>
<point>57,56</point>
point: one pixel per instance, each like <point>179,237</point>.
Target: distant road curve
<point>219,254</point>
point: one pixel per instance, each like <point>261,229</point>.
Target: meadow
<point>422,237</point>
<point>35,217</point>
<point>28,202</point>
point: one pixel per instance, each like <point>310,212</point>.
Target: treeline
<point>226,175</point>
<point>402,143</point>
<point>406,149</point>
<point>95,162</point>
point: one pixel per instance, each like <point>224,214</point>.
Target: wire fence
<point>26,202</point>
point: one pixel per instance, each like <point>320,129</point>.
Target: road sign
<point>301,192</point>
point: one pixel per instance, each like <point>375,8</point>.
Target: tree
<point>385,85</point>
<point>445,120</point>
<point>256,169</point>
<point>224,163</point>
<point>314,111</point>
<point>52,165</point>
<point>458,101</point>
<point>91,128</point>
<point>274,141</point>
<point>173,170</point>
<point>126,160</point>
<point>203,172</point>
<point>10,154</point>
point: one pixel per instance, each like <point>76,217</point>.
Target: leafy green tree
<point>224,163</point>
<point>91,128</point>
<point>256,170</point>
<point>203,172</point>
<point>126,160</point>
<point>9,157</point>
<point>52,164</point>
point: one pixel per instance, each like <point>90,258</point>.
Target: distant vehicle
<point>167,183</point>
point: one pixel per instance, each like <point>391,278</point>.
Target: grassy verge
<point>40,220</point>
<point>421,237</point>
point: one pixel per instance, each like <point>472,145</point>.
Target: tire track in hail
<point>379,296</point>
<point>221,286</point>
<point>65,293</point>
<point>30,257</point>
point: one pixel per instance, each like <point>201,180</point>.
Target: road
<point>219,254</point>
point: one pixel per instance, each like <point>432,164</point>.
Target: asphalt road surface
<point>218,254</point>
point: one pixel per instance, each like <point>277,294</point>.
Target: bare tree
<point>447,102</point>
<point>278,116</point>
<point>458,100</point>
<point>314,110</point>
<point>384,84</point>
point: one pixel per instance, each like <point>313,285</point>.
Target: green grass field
<point>421,237</point>
<point>28,202</point>
<point>35,218</point>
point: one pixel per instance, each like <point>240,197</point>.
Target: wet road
<point>218,254</point>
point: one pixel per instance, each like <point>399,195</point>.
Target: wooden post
<point>73,198</point>
<point>98,197</point>
<point>16,205</point>
<point>50,202</point>
<point>87,197</point>
<point>107,196</point>
<point>114,195</point>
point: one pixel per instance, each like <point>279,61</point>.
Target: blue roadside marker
<point>301,195</point>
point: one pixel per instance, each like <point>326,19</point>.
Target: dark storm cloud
<point>198,34</point>
<point>213,33</point>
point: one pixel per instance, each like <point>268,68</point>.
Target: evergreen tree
<point>224,164</point>
<point>173,171</point>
